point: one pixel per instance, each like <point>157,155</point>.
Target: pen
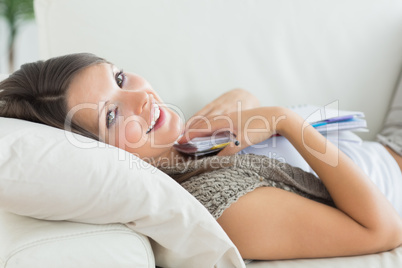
<point>319,124</point>
<point>233,139</point>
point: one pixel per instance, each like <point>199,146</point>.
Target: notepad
<point>205,145</point>
<point>326,119</point>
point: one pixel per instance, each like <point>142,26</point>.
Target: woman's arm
<point>352,191</point>
<point>285,225</point>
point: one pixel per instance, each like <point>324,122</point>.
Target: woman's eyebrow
<point>111,68</point>
<point>106,102</point>
<point>102,109</point>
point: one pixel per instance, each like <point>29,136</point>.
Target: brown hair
<point>37,92</point>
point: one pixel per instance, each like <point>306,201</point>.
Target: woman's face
<point>123,110</point>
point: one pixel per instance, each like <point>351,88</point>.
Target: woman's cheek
<point>130,137</point>
<point>177,126</point>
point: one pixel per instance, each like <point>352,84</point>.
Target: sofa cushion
<point>285,52</point>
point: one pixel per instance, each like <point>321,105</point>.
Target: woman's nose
<point>135,100</point>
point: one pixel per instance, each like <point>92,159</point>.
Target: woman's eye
<point>120,77</point>
<point>111,117</point>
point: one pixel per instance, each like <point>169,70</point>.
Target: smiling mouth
<point>155,117</point>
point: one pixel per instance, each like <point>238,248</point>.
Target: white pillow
<point>46,174</point>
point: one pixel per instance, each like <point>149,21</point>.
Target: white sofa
<point>342,53</point>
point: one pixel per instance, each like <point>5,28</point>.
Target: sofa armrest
<point>28,242</point>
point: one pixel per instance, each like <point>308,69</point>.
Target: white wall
<point>27,48</point>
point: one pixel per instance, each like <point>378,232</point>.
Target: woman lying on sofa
<point>269,209</point>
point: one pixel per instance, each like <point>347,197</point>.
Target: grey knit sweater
<point>218,181</point>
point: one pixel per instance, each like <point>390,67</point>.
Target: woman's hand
<point>250,126</point>
<point>231,101</point>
